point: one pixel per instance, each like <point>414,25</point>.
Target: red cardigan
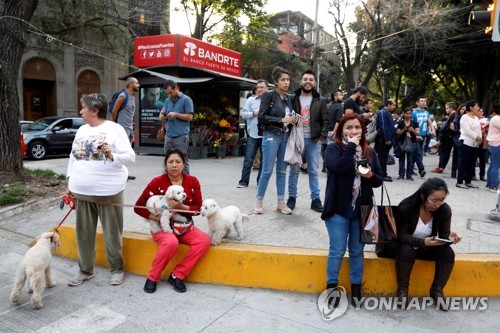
<point>159,186</point>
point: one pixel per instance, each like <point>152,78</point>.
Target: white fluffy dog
<point>220,220</point>
<point>157,204</point>
<point>35,269</point>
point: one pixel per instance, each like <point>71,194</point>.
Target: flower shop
<point>213,82</point>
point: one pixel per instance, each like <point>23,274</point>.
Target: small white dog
<point>35,269</point>
<point>220,220</point>
<point>158,205</point>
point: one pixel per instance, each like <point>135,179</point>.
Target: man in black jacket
<point>312,109</point>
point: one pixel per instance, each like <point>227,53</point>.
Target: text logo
<point>333,303</point>
<point>189,50</point>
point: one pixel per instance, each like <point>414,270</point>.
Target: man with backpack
<point>122,108</point>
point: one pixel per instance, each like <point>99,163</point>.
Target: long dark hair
<point>364,145</point>
<point>430,186</point>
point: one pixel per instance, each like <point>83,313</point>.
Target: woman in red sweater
<point>168,242</point>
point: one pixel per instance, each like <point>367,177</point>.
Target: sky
<point>178,23</point>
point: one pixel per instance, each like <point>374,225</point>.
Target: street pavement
<point>95,306</point>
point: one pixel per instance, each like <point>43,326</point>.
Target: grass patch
<point>45,173</point>
<point>15,193</point>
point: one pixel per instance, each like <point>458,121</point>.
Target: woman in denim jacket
<point>276,116</point>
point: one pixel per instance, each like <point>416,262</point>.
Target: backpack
<point>371,131</point>
<point>112,102</point>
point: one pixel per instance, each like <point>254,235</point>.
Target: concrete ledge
<point>296,269</point>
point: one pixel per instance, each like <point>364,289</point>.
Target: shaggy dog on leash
<point>157,204</point>
<point>220,220</point>
<point>35,269</point>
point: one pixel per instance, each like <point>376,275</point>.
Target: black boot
<point>331,304</point>
<point>403,272</point>
<point>356,295</point>
<point>442,273</point>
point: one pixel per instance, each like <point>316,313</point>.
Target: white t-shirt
<point>423,230</point>
<point>88,171</point>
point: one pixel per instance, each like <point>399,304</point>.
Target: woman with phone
<point>424,221</point>
<point>353,172</point>
<point>407,132</point>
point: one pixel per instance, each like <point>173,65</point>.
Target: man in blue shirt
<point>422,117</point>
<point>177,113</point>
<point>385,135</point>
<point>254,141</point>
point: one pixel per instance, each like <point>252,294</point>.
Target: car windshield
<point>41,124</point>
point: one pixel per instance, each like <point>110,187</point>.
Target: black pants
<point>445,152</point>
<point>383,154</point>
<point>406,253</point>
<point>467,167</point>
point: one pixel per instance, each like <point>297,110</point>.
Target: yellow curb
<point>296,269</point>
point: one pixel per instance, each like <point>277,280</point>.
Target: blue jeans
<point>418,155</point>
<point>273,149</point>
<point>342,232</point>
<point>251,150</point>
<point>492,178</point>
<point>312,151</point>
<point>409,165</point>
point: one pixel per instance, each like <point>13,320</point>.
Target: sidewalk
<point>304,228</point>
<point>97,307</point>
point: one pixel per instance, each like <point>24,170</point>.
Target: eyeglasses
<point>436,201</point>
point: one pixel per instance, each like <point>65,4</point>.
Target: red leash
<point>65,200</point>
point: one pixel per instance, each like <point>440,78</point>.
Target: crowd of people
<point>338,132</point>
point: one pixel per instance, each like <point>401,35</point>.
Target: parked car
<point>51,135</point>
<point>25,124</point>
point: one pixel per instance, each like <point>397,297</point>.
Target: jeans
<point>312,152</point>
<point>252,147</point>
<point>273,149</point>
<point>181,143</point>
<point>492,180</point>
<point>409,165</point>
<point>418,154</point>
<point>382,150</point>
<point>344,232</point>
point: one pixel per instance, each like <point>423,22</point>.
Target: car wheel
<point>37,150</point>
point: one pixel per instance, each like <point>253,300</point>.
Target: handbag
<point>407,146</point>
<point>161,134</point>
<point>378,223</point>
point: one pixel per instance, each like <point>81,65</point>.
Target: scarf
<point>356,186</point>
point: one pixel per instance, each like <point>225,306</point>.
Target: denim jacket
<point>272,110</point>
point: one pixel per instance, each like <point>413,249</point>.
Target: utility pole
<point>316,55</point>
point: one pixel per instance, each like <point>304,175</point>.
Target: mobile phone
<point>443,240</point>
<point>363,162</point>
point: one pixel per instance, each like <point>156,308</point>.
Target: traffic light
<point>486,16</point>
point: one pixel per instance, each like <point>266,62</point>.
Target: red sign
<point>185,51</point>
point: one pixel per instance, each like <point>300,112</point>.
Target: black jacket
<point>272,110</point>
<point>408,215</point>
<point>319,114</point>
<point>340,164</point>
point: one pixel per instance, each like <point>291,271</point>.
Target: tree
<point>13,36</point>
<point>210,13</point>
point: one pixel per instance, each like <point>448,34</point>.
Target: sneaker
<point>492,189</point>
<point>177,283</point>
<point>291,203</point>
<point>281,207</point>
<point>438,170</point>
<point>471,185</point>
<point>422,173</point>
<point>258,207</point>
<point>242,185</point>
<point>78,280</point>
<point>131,177</point>
<point>387,179</point>
<point>462,186</point>
<point>317,206</point>
<point>410,178</point>
<point>150,286</point>
<point>117,278</point>
<point>401,178</point>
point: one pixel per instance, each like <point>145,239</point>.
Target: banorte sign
<point>165,50</point>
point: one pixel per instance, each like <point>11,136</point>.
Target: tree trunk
<point>13,34</point>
